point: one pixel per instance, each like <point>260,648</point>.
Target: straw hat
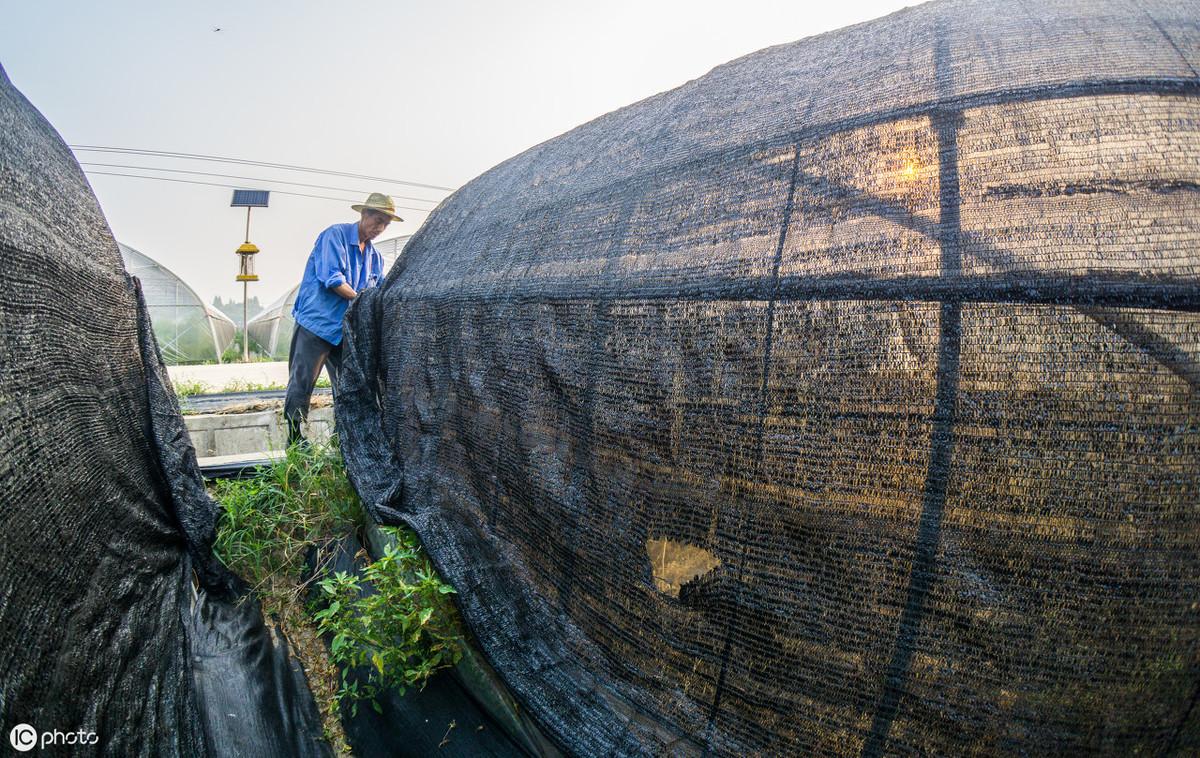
<point>378,202</point>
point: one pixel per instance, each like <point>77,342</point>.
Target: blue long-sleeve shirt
<point>335,259</point>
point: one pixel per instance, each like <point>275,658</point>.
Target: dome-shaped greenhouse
<point>187,330</point>
<point>271,331</point>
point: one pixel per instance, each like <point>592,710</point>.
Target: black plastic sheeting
<point>116,620</point>
<point>243,468</point>
<point>253,695</point>
<point>841,401</point>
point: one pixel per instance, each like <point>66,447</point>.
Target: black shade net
<point>117,623</point>
<point>842,401</point>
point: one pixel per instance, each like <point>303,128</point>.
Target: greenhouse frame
<point>188,330</point>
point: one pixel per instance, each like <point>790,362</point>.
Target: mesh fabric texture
<point>890,334</point>
<point>94,535</point>
<point>104,519</point>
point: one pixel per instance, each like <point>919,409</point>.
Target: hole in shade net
<point>676,563</point>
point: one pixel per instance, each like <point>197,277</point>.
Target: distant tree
<point>233,307</point>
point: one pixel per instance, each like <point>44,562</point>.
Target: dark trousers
<point>306,356</point>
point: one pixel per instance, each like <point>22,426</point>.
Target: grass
<point>271,520</point>
<point>233,353</point>
<point>241,385</point>
<point>190,387</point>
<point>269,524</point>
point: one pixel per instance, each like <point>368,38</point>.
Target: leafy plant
<point>233,353</point>
<point>189,387</point>
<point>268,524</point>
<point>397,621</point>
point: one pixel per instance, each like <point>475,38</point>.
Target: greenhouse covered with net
<point>187,329</point>
<point>843,401</point>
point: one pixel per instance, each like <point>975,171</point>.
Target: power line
<point>246,178</point>
<point>212,184</point>
<point>244,162</point>
<point>234,186</point>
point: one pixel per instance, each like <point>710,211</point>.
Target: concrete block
<point>223,434</point>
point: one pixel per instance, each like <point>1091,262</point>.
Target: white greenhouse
<point>187,329</point>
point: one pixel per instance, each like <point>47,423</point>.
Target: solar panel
<point>249,198</point>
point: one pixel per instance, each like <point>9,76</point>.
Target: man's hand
<point>346,291</point>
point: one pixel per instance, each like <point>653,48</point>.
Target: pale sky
<point>432,92</point>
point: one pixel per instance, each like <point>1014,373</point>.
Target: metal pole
<point>245,306</point>
<point>245,320</point>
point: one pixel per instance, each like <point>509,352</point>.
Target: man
<point>343,262</point>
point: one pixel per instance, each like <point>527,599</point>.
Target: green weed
<point>189,387</point>
<point>272,519</point>
<point>242,385</point>
<point>233,353</point>
<point>404,630</point>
